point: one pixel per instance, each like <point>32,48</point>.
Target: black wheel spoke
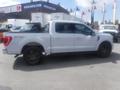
<point>105,50</point>
<point>32,55</point>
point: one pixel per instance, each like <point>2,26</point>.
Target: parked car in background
<point>111,29</point>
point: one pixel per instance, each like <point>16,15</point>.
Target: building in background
<point>24,11</point>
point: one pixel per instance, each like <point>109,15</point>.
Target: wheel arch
<point>32,44</point>
<point>105,42</point>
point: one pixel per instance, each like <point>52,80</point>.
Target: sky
<point>84,6</point>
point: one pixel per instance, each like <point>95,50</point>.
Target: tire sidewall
<point>106,53</point>
<point>26,55</point>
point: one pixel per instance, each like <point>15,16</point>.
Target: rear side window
<point>64,27</point>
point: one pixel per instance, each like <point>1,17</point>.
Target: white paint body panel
<point>57,43</point>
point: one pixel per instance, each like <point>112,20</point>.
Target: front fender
<point>105,38</point>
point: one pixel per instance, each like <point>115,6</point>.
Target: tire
<point>32,55</point>
<point>104,50</point>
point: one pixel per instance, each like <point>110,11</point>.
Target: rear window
<point>34,28</point>
<point>31,28</point>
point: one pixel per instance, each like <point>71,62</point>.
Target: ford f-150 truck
<point>56,37</point>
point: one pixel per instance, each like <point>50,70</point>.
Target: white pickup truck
<point>56,37</point>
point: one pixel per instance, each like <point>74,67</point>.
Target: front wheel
<point>104,50</point>
<point>32,55</point>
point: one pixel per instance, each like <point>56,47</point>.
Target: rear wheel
<point>32,55</point>
<point>104,50</point>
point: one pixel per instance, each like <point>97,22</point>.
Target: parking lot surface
<point>78,72</point>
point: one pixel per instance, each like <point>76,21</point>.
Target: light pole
<point>114,11</point>
<point>92,13</point>
<point>104,11</point>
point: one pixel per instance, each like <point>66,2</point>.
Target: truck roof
<point>66,21</point>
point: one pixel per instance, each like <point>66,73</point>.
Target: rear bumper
<point>5,51</point>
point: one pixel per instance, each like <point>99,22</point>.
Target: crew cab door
<point>86,40</point>
<point>63,38</point>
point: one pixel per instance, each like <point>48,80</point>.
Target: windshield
<point>109,27</point>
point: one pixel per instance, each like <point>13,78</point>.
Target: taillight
<point>1,37</point>
<point>6,40</point>
<point>1,34</point>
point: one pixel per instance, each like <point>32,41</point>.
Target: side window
<point>82,29</point>
<point>64,27</point>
